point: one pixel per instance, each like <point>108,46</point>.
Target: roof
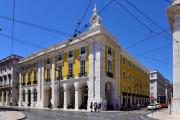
<point>10,58</point>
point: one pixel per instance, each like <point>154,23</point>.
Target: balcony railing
<point>28,83</point>
<point>84,74</point>
<point>35,82</point>
<point>110,74</point>
<point>70,76</point>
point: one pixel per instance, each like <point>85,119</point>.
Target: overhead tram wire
<point>146,16</point>
<point>22,41</point>
<point>134,16</point>
<point>12,32</point>
<point>37,26</point>
<point>81,20</point>
<point>147,38</point>
<point>152,50</point>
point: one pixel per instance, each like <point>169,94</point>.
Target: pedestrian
<point>95,107</point>
<point>91,106</point>
<point>138,106</point>
<point>99,106</point>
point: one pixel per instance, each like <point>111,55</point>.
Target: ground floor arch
<point>109,95</point>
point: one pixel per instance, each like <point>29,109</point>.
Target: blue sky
<point>62,15</point>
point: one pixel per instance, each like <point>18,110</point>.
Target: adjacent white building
<point>160,86</point>
<point>9,80</point>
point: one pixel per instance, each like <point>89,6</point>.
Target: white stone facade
<point>159,86</point>
<point>9,80</point>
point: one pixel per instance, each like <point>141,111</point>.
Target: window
<point>48,75</point>
<point>129,77</point>
<point>60,57</point>
<point>29,77</point>
<point>35,76</point>
<point>35,65</point>
<point>83,67</point>
<point>110,66</point>
<point>23,78</point>
<point>60,72</point>
<point>70,69</point>
<point>35,95</point>
<point>152,88</point>
<point>124,75</point>
<point>152,75</point>
<point>48,61</point>
<point>124,60</point>
<point>83,50</point>
<point>109,51</point>
<point>133,78</point>
<point>23,96</point>
<point>9,76</point>
<point>29,67</point>
<point>70,54</point>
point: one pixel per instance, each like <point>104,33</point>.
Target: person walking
<point>95,107</point>
<point>91,106</point>
<point>99,106</point>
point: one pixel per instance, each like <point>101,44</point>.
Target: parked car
<point>158,106</point>
<point>164,105</point>
<point>152,106</point>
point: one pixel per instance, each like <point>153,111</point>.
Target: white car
<point>152,106</point>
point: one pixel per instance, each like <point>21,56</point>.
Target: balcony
<point>29,83</point>
<point>110,74</point>
<point>70,76</point>
<point>35,82</point>
<point>84,74</point>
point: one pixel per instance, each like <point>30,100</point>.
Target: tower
<point>174,20</point>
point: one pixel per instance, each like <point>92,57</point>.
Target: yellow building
<point>83,70</point>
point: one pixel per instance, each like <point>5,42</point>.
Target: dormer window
<point>70,54</point>
<point>60,57</point>
<point>109,51</point>
<point>83,50</point>
<point>48,61</point>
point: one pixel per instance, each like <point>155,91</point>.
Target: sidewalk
<point>163,115</point>
<point>11,115</point>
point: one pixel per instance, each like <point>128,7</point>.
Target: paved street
<point>64,115</point>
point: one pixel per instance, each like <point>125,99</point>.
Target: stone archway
<point>29,97</point>
<point>61,97</point>
<point>84,96</point>
<point>49,96</point>
<point>72,97</point>
<point>109,95</point>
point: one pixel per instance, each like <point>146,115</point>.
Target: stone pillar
<point>77,95</point>
<point>54,84</point>
<point>65,96</point>
<point>39,87</point>
<point>20,90</point>
<point>26,98</point>
<point>174,19</point>
<point>7,97</point>
<point>42,84</point>
<point>2,97</point>
<point>32,98</point>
